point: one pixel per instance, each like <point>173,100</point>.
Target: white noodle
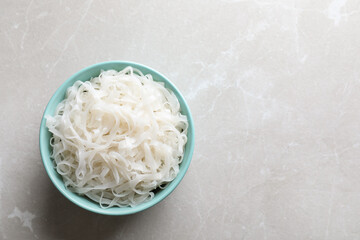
<point>118,137</point>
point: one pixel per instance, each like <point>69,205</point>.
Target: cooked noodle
<point>118,137</point>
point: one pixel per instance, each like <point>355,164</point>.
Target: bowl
<point>45,148</point>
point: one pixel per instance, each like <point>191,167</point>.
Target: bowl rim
<point>126,210</point>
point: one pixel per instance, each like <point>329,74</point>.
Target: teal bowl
<point>45,148</point>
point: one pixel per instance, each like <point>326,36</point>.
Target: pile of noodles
<point>118,137</point>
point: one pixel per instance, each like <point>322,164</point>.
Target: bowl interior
<point>45,135</point>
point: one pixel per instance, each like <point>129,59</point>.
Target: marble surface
<point>273,86</point>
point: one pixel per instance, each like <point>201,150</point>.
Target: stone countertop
<point>274,89</point>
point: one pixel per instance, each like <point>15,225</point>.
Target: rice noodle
<point>118,137</point>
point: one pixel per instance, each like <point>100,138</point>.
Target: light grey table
<point>274,88</point>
